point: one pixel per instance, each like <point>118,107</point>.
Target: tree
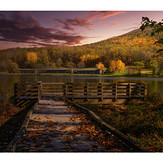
<point>157,27</point>
<point>154,65</point>
<point>113,66</point>
<point>81,65</point>
<point>139,66</point>
<point>32,57</point>
<point>120,65</point>
<point>100,65</point>
<point>53,65</point>
<point>70,64</point>
<point>13,67</point>
<point>59,62</point>
<point>116,66</point>
<point>43,58</point>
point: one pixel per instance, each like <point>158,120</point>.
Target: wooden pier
<point>58,126</point>
<point>81,91</point>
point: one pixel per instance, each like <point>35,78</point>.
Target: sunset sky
<point>66,28</point>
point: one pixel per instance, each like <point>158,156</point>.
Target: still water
<point>7,82</point>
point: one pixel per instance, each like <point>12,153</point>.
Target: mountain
<point>132,38</point>
<point>134,46</point>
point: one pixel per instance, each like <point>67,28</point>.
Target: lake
<point>7,82</point>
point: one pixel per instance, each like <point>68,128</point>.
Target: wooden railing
<point>102,91</point>
<point>54,89</point>
<point>86,91</point>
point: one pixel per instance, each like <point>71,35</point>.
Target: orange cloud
<point>106,14</point>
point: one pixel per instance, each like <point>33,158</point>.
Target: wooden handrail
<point>86,91</point>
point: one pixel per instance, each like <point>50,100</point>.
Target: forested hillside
<point>135,46</point>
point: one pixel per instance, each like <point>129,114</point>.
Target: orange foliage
<point>88,57</point>
<point>136,41</point>
<point>100,65</point>
<point>116,66</point>
<point>32,57</point>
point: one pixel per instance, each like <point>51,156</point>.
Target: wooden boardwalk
<point>56,126</point>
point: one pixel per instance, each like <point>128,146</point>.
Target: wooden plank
<point>53,83</point>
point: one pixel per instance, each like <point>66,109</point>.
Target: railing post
<point>39,89</point>
<point>100,91</point>
<point>116,91</point>
<point>145,90</point>
<point>129,90</point>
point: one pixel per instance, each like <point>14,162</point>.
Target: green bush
<point>13,67</point>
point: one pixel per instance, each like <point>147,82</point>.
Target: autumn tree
<point>139,66</point>
<point>154,65</point>
<point>116,66</point>
<point>100,65</point>
<point>89,59</point>
<point>120,65</point>
<point>31,59</point>
<point>59,62</point>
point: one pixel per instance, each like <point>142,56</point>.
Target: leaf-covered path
<point>58,127</point>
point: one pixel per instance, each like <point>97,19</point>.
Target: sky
<point>66,28</point>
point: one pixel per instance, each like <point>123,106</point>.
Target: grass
<point>142,122</point>
<point>125,73</point>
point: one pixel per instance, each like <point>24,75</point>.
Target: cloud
<point>23,28</point>
<point>70,24</point>
<point>106,14</point>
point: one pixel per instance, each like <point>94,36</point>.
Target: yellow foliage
<point>100,65</point>
<point>136,41</point>
<point>113,65</point>
<point>116,66</point>
<point>120,65</point>
<point>31,57</point>
<point>88,57</point>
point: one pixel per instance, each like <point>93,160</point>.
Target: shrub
<point>13,67</point>
<point>70,64</point>
<point>81,65</point>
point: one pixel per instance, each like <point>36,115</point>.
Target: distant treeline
<point>129,48</point>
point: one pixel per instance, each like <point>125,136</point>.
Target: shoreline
<point>77,75</point>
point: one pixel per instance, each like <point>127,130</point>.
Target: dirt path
<point>57,127</point>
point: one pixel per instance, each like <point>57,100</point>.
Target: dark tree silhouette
<point>157,27</point>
